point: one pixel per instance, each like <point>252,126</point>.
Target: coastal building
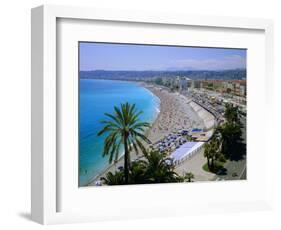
<point>215,85</point>
<point>196,84</point>
<point>234,87</point>
<point>183,83</point>
<point>243,90</point>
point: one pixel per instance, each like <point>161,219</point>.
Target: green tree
<point>208,153</point>
<point>155,167</point>
<point>138,173</point>
<point>232,114</point>
<point>231,134</point>
<point>231,139</point>
<point>159,168</point>
<point>189,176</point>
<point>212,153</point>
<point>116,178</point>
<point>124,129</point>
<point>159,81</point>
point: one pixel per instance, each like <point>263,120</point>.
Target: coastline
<point>114,166</point>
<point>175,113</point>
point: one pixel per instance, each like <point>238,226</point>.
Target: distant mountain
<point>236,74</point>
<point>180,69</point>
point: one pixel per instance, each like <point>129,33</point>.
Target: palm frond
<point>119,115</point>
<point>117,120</point>
<point>142,136</point>
<point>141,146</point>
<point>108,128</point>
<point>134,118</point>
<point>140,125</point>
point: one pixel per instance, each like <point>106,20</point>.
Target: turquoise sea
<point>96,98</point>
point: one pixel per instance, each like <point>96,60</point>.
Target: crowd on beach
<point>176,115</point>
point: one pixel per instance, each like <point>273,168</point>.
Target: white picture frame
<point>45,182</point>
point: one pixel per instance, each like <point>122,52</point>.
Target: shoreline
<point>176,112</point>
<point>120,159</point>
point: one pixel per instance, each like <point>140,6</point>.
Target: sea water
<point>97,97</point>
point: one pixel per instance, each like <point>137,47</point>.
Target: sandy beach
<point>176,112</point>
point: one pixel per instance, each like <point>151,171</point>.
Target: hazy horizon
<point>146,70</point>
<point>132,57</point>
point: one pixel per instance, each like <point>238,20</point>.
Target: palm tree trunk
<point>126,159</point>
<point>208,159</point>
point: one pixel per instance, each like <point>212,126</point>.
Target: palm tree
<point>212,153</point>
<point>113,179</point>
<point>138,172</point>
<point>124,129</point>
<point>231,138</point>
<point>159,168</point>
<point>231,113</point>
<point>208,153</point>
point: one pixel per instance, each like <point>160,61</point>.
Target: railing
<point>189,156</point>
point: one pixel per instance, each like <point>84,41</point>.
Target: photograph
<point>156,113</point>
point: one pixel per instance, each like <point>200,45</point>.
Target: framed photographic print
<point>178,113</point>
<point>138,114</point>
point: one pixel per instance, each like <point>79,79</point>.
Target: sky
<point>110,56</point>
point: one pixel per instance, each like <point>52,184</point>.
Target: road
<point>236,170</point>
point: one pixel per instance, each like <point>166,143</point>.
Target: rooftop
<point>185,150</point>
